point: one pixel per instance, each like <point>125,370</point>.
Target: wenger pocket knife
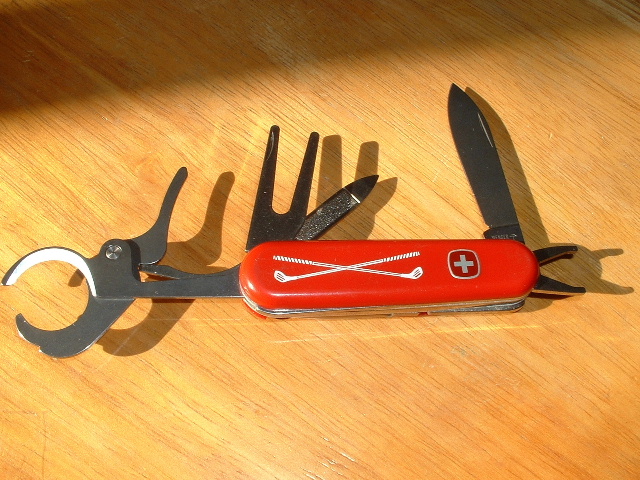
<point>287,273</point>
<point>413,277</point>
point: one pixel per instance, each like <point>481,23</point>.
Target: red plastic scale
<point>284,279</point>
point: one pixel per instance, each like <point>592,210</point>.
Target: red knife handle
<point>308,278</point>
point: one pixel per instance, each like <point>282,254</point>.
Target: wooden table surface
<point>101,103</point>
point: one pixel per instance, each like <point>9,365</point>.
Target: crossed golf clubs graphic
<point>333,268</point>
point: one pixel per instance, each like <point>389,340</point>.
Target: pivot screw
<point>113,252</point>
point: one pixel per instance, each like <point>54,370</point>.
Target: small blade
<point>481,163</point>
<point>335,208</point>
<point>267,224</point>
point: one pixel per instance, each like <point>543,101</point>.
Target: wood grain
<point>101,102</point>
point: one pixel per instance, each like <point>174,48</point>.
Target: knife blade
<point>481,162</point>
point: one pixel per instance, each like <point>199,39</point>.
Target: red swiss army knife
<point>288,273</point>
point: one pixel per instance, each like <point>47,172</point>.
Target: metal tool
<point>113,275</point>
<point>289,277</point>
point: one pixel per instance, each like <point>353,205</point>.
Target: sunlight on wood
<point>102,102</point>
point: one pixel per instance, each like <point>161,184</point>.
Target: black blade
<point>481,163</point>
<point>335,208</point>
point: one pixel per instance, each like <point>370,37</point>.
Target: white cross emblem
<point>464,264</point>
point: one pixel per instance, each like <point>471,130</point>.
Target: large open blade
<point>481,163</point>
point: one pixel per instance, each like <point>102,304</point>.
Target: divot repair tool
<point>288,274</point>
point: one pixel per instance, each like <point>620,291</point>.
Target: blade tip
<point>455,90</point>
<point>361,188</point>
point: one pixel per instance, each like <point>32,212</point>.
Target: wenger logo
<point>464,264</point>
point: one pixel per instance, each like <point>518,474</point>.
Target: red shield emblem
<point>464,264</point>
